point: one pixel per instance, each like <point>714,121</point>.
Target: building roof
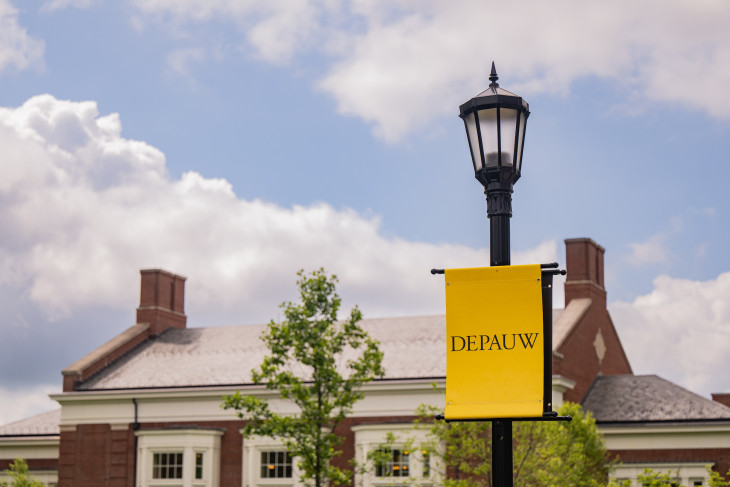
<point>646,398</point>
<point>413,347</point>
<point>564,321</point>
<point>45,424</point>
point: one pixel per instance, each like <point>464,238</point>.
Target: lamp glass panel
<point>473,135</point>
<point>488,128</point>
<point>520,140</point>
<point>508,129</point>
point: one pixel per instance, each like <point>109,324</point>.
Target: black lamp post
<point>495,122</point>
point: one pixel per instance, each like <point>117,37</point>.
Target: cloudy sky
<point>237,141</point>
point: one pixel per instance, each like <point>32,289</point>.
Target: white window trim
<point>252,448</point>
<point>185,441</point>
<point>371,437</point>
<point>685,472</point>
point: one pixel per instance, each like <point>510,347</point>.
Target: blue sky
<point>235,142</point>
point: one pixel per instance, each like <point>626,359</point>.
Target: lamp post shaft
<point>502,453</point>
<point>499,211</point>
<point>499,241</point>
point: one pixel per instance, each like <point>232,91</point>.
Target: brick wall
<point>94,455</point>
<point>85,456</point>
<point>579,360</point>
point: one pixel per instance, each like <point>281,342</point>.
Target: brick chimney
<point>722,398</point>
<point>162,301</point>
<point>584,263</point>
<point>161,306</point>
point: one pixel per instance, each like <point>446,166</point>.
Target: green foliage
<point>302,365</point>
<point>18,472</point>
<point>465,449</point>
<point>381,459</point>
<point>560,453</point>
<point>651,478</point>
<point>716,479</point>
<point>381,456</point>
<point>545,453</point>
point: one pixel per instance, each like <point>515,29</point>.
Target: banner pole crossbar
<point>547,417</point>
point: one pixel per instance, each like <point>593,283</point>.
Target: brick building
<point>144,409</point>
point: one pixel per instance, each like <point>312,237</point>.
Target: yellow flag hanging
<point>495,343</point>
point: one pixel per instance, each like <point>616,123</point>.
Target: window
<point>396,455</point>
<point>178,457</point>
<point>393,463</point>
<point>266,463</point>
<point>198,466</point>
<point>167,466</point>
<point>276,464</point>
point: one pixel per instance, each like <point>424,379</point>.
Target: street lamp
<point>495,122</point>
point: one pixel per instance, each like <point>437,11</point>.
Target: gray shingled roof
<point>40,424</point>
<point>413,348</point>
<point>644,398</point>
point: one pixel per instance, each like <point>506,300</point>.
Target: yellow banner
<point>495,343</point>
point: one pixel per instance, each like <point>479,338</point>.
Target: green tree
<point>302,365</point>
<point>19,475</point>
<point>394,451</point>
<point>546,453</point>
<point>716,479</point>
<point>465,449</point>
<point>560,453</point>
<point>652,478</point>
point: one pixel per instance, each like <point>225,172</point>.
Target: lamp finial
<point>493,77</point>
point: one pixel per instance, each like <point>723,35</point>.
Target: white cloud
<point>18,50</point>
<point>400,64</point>
<point>651,251</point>
<point>22,402</point>
<point>681,331</point>
<point>275,30</point>
<point>52,5</point>
<point>179,61</point>
<point>84,209</point>
<point>409,69</point>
